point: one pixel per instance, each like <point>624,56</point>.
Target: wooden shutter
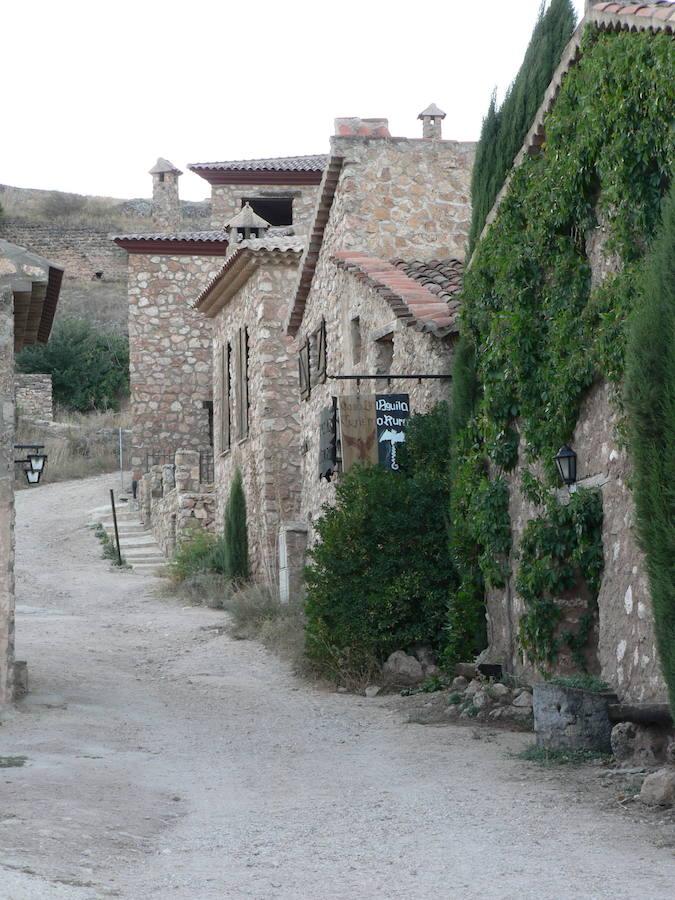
<point>321,353</point>
<point>242,379</point>
<point>303,370</point>
<point>225,353</point>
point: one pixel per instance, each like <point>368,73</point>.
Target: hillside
<point>74,230</point>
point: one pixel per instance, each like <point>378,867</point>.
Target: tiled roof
<point>421,294</point>
<point>312,163</point>
<point>329,184</point>
<point>239,266</point>
<point>655,16</point>
<point>195,236</point>
<point>162,166</point>
<point>24,273</point>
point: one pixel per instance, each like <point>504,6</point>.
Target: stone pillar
<point>165,199</point>
<point>292,549</point>
<point>432,122</point>
<point>187,471</point>
<point>6,495</point>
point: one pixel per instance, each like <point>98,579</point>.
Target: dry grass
<point>77,445</point>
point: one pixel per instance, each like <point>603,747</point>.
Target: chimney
<point>432,118</point>
<point>246,225</point>
<point>165,200</point>
<point>366,128</point>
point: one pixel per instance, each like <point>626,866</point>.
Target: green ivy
<point>558,551</point>
<point>544,333</point>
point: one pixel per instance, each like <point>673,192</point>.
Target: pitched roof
<point>432,110</point>
<point>241,264</point>
<point>312,163</point>
<point>192,243</point>
<point>329,184</point>
<point>247,218</point>
<point>423,295</point>
<point>163,165</point>
<point>655,16</point>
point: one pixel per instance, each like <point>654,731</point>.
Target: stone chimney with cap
<point>165,199</point>
<point>245,225</point>
<point>432,118</point>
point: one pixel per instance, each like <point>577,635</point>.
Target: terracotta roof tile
<point>420,293</point>
<point>312,163</point>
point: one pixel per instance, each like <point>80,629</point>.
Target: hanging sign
<point>392,413</point>
<point>358,433</point>
<point>328,441</point>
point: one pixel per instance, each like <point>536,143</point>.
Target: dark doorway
<point>275,210</point>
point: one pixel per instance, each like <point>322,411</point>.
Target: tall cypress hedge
<point>504,129</point>
<point>236,539</point>
<point>650,402</point>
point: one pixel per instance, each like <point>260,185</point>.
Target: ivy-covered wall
<point>547,301</point>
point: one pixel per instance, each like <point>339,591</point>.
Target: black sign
<point>392,412</point>
<point>328,441</point>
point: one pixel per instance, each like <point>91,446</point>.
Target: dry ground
<point>167,761</point>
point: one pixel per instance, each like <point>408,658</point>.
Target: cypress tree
<point>236,538</point>
<point>650,403</point>
<point>504,129</point>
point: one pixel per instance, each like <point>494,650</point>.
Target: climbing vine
<point>558,551</point>
<point>543,332</point>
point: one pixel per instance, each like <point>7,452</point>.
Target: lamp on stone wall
<point>566,464</point>
<point>34,463</point>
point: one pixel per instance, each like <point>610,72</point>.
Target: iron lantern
<point>566,464</point>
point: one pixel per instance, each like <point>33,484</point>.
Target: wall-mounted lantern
<point>566,463</point>
<point>34,463</point>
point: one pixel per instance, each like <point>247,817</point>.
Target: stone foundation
<point>34,397</point>
<point>173,502</point>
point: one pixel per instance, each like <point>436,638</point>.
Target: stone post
<point>187,471</point>
<point>6,495</point>
<point>165,200</point>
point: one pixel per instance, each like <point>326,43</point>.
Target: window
<point>242,383</point>
<point>304,359</point>
<point>225,397</point>
<point>317,355</point>
<point>384,354</point>
<point>275,210</point>
<point>355,334</point>
<point>161,177</point>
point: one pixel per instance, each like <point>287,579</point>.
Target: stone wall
<point>269,457</point>
<point>173,502</point>
<point>34,397</point>
<point>80,250</point>
<point>623,645</point>
<point>6,494</point>
<point>338,298</point>
<point>226,201</point>
<point>169,353</point>
<point>401,196</point>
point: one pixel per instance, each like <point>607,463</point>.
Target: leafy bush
<point>235,556</point>
<point>198,554</point>
<point>650,403</point>
<point>89,368</point>
<point>504,129</point>
<point>378,581</point>
<point>582,681</point>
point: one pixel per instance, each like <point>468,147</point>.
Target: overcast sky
<point>96,91</point>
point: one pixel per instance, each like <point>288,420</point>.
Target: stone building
<point>625,641</point>
<point>170,344</point>
<point>255,387</point>
<point>29,293</point>
<point>376,294</point>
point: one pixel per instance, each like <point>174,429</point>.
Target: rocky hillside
<point>74,231</point>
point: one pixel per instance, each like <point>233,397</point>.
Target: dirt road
<point>165,760</point>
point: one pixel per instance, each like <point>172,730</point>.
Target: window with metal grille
<point>304,358</point>
<point>225,397</point>
<point>242,383</point>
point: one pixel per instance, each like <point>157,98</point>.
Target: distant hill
<point>74,230</point>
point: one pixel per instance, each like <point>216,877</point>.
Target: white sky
<point>96,90</point>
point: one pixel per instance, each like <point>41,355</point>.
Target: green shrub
<point>235,550</point>
<point>650,403</point>
<point>378,581</point>
<point>197,554</point>
<point>89,368</point>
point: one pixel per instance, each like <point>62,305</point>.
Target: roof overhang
<point>236,272</point>
<point>172,247</point>
<point>35,283</point>
<point>261,177</point>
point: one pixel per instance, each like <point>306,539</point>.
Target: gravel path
<point>167,761</point>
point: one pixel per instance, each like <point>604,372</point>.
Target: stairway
<point>139,548</point>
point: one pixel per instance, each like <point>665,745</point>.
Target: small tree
<point>236,537</point>
<point>650,402</point>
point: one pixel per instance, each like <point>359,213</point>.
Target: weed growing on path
<point>550,758</point>
<point>12,762</point>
